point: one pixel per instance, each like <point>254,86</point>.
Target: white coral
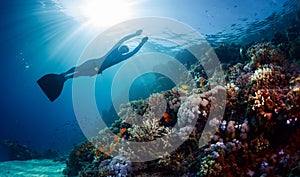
<point>157,105</point>
<point>150,130</point>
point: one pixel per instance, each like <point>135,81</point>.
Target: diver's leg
<point>72,70</point>
<point>69,76</point>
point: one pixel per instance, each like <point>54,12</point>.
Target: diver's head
<point>123,49</point>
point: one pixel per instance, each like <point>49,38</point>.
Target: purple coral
<point>120,167</point>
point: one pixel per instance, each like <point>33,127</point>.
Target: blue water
<point>38,37</point>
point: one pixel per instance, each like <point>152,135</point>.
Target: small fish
<point>112,148</point>
<point>184,86</point>
<point>201,80</point>
<point>257,64</point>
<point>166,117</point>
<point>122,131</point>
<point>241,52</point>
<point>165,114</point>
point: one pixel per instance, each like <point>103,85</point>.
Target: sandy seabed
<point>32,168</point>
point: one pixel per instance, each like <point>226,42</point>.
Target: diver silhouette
<point>52,84</point>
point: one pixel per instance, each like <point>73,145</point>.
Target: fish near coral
<point>184,87</point>
<point>201,80</point>
<point>122,131</point>
<point>112,148</point>
<point>166,117</point>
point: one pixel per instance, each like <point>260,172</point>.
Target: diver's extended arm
<point>130,54</point>
<point>121,41</point>
<point>109,63</point>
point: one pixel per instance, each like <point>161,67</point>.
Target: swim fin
<point>52,85</point>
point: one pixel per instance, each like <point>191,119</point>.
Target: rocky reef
<point>18,151</point>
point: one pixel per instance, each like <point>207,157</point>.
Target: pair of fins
<point>52,85</point>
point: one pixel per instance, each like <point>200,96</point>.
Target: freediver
<point>117,54</point>
<point>52,84</point>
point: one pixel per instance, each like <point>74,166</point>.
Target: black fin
<point>52,85</point>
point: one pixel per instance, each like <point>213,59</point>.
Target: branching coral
<point>269,76</point>
<point>157,106</point>
<point>132,112</point>
<point>232,99</point>
<point>269,92</point>
<point>150,130</point>
<point>147,141</point>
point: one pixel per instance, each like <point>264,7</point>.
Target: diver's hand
<point>138,32</point>
<point>145,39</point>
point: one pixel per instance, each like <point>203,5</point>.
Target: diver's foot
<point>64,75</point>
<point>68,77</point>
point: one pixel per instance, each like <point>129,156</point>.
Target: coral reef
<point>265,53</point>
<point>79,159</point>
<point>119,166</point>
<point>189,110</point>
<point>258,135</point>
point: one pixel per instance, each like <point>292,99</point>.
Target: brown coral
<point>265,53</point>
